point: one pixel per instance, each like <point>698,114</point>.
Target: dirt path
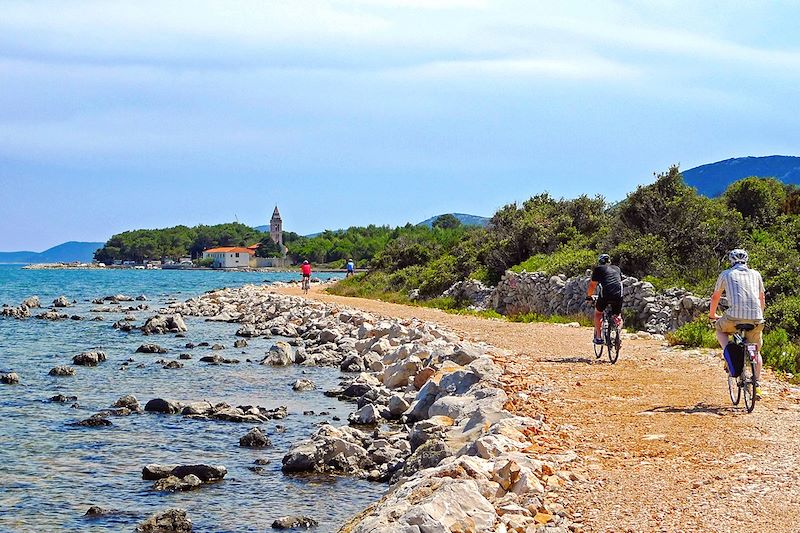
<point>661,447</point>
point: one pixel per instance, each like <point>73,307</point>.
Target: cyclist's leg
<point>724,328</point>
<point>756,337</point>
<point>599,308</point>
<point>616,310</point>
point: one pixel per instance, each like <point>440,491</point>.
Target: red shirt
<point>306,269</point>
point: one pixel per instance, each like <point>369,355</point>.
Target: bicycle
<point>611,335</point>
<point>306,284</point>
<point>745,383</point>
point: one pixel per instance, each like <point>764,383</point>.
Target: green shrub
<point>697,334</point>
<point>438,276</point>
<point>779,352</point>
<point>785,314</point>
<point>564,261</point>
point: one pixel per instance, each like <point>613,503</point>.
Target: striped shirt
<point>742,287</point>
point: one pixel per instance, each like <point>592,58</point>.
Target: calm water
<point>50,472</point>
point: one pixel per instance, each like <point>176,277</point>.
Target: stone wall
<point>537,292</point>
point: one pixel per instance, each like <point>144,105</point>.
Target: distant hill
<point>63,253</point>
<point>467,220</point>
<point>262,229</point>
<point>714,178</point>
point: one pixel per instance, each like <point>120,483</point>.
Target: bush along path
<point>654,441</point>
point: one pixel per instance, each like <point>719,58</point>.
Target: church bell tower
<point>276,227</point>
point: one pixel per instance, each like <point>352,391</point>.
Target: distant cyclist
<point>351,268</point>
<point>306,271</point>
<point>609,277</point>
<point>744,289</point>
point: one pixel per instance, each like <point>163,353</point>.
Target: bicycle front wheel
<point>734,390</point>
<point>749,385</point>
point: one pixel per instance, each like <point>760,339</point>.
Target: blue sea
<point>51,472</point>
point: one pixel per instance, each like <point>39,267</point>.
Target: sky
<point>126,115</point>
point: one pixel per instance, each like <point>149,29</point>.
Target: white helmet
<point>737,256</point>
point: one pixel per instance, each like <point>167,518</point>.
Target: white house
<point>231,256</point>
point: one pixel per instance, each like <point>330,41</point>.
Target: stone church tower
<point>276,227</point>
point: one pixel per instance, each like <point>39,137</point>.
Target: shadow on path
<point>697,409</point>
<point>575,359</point>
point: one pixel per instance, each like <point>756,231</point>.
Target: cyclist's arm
<point>712,311</point>
<point>763,300</point>
<point>592,287</point>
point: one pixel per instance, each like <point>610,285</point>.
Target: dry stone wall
<point>536,292</point>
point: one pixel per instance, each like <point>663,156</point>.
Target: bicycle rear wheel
<point>734,390</point>
<point>749,384</point>
<point>613,340</point>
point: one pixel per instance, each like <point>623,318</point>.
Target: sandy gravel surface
<point>661,448</point>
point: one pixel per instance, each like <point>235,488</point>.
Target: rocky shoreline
<point>429,419</point>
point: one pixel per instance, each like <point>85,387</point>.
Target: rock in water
<point>280,354</point>
<point>241,343</point>
<point>303,385</point>
<point>93,422</point>
<point>206,473</point>
<point>161,324</point>
<point>294,522</point>
<point>62,371</point>
<point>94,511</point>
<point>61,301</point>
<point>11,378</point>
<point>158,405</point>
<point>89,358</point>
<point>128,401</point>
<point>150,348</point>
<point>32,302</point>
<point>255,438</point>
<point>156,471</point>
<point>173,364</point>
<point>174,483</point>
<point>169,521</point>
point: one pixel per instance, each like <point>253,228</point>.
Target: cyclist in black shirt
<point>609,277</point>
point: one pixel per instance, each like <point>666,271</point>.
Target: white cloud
<point>575,68</point>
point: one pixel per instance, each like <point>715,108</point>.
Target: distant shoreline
<point>89,266</point>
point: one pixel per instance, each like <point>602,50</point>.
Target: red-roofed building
<point>231,256</point>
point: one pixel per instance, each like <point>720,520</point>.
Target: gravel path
<point>661,448</point>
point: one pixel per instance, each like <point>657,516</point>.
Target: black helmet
<point>604,259</point>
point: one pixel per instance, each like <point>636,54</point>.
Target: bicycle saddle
<point>745,327</point>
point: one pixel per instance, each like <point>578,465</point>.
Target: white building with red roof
<point>231,256</point>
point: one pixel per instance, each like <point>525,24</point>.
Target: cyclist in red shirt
<point>306,269</point>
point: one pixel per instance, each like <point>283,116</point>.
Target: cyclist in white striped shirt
<point>744,289</point>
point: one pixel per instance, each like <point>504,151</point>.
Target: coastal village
<point>219,257</point>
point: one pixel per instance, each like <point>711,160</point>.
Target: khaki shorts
<point>728,325</point>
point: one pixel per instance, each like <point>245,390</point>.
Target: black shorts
<point>615,303</point>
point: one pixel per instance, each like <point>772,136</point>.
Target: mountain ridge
<point>713,178</point>
<point>66,252</point>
